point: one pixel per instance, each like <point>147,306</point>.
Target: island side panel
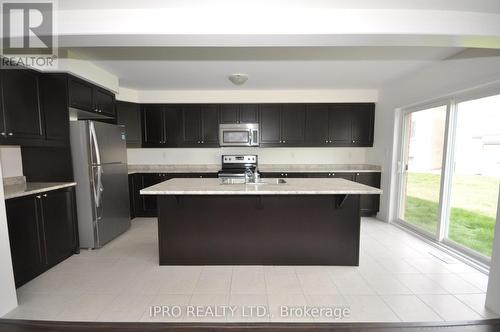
<point>258,230</point>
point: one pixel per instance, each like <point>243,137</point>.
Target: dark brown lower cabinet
<point>42,232</point>
<point>144,205</point>
<point>369,204</point>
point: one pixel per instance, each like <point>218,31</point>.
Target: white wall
<point>466,71</point>
<point>266,156</point>
<point>8,298</point>
<point>249,96</point>
<point>12,164</point>
<point>493,294</point>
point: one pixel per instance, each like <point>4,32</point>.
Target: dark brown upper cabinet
<point>317,125</point>
<point>161,125</point>
<point>128,115</point>
<point>239,113</point>
<point>33,107</point>
<point>270,124</point>
<point>352,124</point>
<point>293,124</point>
<point>80,94</point>
<point>341,125</point>
<point>282,124</point>
<point>55,108</point>
<point>90,98</point>
<point>104,102</point>
<point>200,125</point>
<point>22,117</point>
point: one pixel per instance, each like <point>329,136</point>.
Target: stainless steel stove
<point>236,166</point>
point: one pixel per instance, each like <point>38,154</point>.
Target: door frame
<point>401,168</point>
<point>447,167</point>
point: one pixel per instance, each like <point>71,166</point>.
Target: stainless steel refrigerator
<point>100,167</point>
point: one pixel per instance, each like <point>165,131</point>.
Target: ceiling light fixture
<point>238,79</point>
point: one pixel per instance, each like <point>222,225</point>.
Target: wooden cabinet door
<point>316,126</point>
<point>128,115</point>
<point>342,175</point>
<point>21,108</point>
<point>80,94</point>
<point>229,113</point>
<point>210,125</point>
<point>104,101</point>
<point>340,128</point>
<point>172,120</point>
<point>53,92</point>
<point>270,124</point>
<point>191,125</point>
<point>362,124</point>
<point>26,237</point>
<point>149,205</point>
<point>59,224</point>
<point>293,119</point>
<point>369,204</point>
<point>152,125</point>
<point>249,113</point>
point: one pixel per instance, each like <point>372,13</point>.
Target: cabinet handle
<point>38,196</point>
<point>333,174</point>
<point>353,141</point>
<point>10,134</point>
<point>202,142</point>
<point>326,141</point>
<point>44,195</point>
<point>3,134</point>
<point>329,174</point>
<point>284,141</point>
<point>330,142</point>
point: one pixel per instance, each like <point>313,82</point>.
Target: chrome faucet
<point>249,175</point>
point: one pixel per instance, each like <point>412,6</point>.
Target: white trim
<point>446,171</point>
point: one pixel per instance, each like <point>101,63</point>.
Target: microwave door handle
<point>250,137</point>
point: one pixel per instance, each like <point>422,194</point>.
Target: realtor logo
<point>28,29</point>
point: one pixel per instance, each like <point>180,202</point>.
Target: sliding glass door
<point>472,209</point>
<point>422,168</point>
<point>449,173</point>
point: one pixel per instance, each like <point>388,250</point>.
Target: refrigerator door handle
<point>98,189</point>
<point>94,144</point>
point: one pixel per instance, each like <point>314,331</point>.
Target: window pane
<point>425,141</point>
<point>476,176</point>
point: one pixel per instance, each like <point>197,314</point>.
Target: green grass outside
<point>473,213</point>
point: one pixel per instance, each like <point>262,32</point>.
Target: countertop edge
<point>49,187</point>
<point>269,168</point>
<point>343,192</point>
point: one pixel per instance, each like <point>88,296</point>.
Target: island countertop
<point>206,186</point>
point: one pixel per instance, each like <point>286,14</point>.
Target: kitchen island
<point>277,222</point>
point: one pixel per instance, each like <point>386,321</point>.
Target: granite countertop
<point>196,186</point>
<point>299,168</point>
<point>173,169</point>
<point>17,187</point>
<point>320,168</point>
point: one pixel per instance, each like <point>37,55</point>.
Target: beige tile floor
<point>398,280</point>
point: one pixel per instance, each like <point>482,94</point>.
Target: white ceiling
<point>268,68</point>
<point>484,6</point>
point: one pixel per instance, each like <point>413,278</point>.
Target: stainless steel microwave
<point>239,134</point>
